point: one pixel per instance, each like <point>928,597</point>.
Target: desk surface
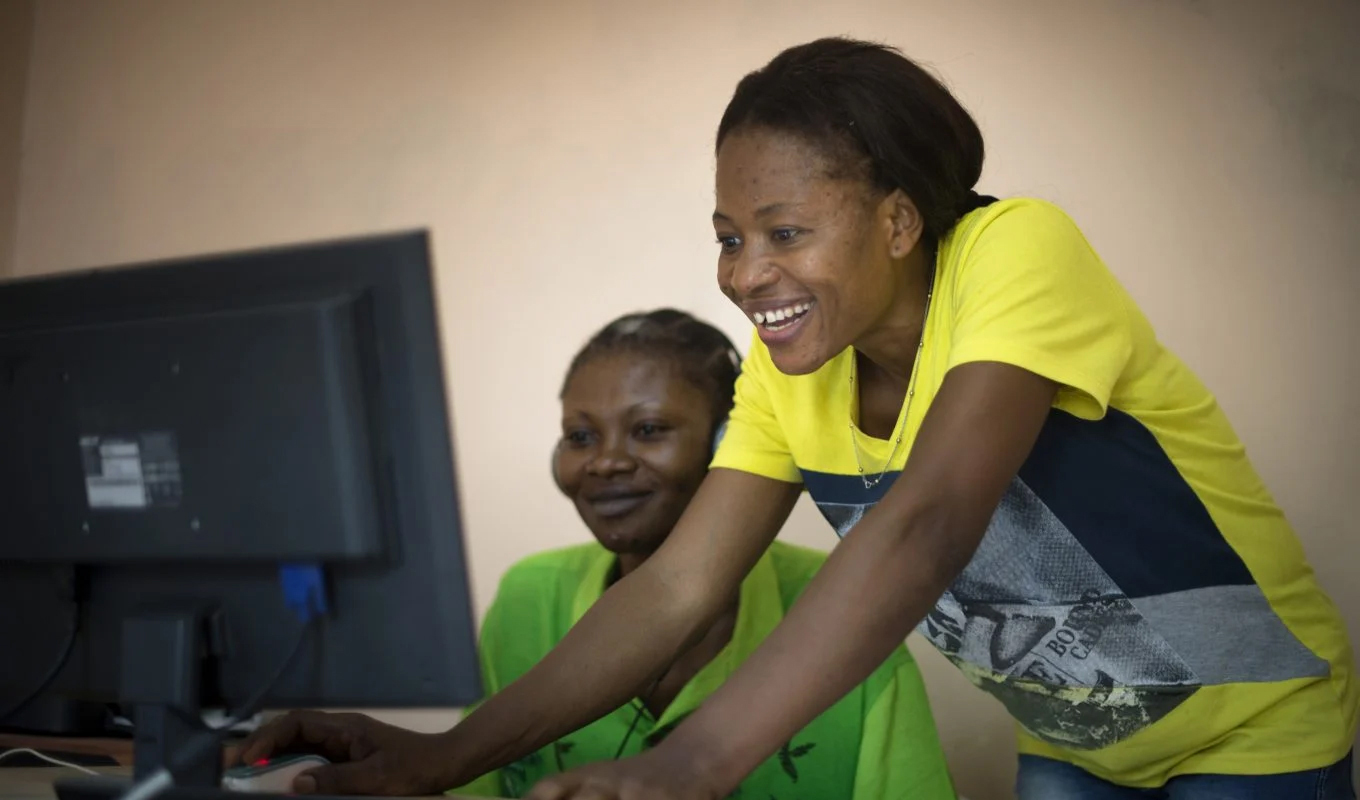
<point>35,783</point>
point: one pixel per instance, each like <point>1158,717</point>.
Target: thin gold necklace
<point>900,429</point>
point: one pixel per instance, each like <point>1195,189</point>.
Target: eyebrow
<point>644,406</point>
<point>763,211</point>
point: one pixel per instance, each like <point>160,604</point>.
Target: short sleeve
<point>1031,292</point>
<point>753,440</point>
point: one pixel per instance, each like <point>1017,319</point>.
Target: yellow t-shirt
<point>1138,603</point>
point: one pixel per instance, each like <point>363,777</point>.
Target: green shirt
<point>879,741</point>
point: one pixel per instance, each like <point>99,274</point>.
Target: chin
<point>623,541</point>
<point>798,363</point>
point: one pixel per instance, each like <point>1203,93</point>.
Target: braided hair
<point>707,357</point>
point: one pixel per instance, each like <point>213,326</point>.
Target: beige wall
<point>561,154</point>
<point>16,30</point>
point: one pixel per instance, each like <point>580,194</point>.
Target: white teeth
<point>773,318</point>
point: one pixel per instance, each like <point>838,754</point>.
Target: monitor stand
<point>168,658</point>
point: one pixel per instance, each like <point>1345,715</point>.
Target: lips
<point>617,502</point>
<point>779,323</point>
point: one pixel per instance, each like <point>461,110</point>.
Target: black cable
<point>57,666</point>
<point>642,709</point>
<point>76,578</point>
<point>252,705</point>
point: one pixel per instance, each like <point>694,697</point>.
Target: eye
<point>729,244</point>
<point>785,235</point>
<point>577,438</point>
<point>650,430</point>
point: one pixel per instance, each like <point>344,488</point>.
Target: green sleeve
<point>900,755</point>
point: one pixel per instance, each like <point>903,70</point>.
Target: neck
<point>891,345</point>
<point>631,561</point>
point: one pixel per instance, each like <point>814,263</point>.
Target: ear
<point>556,476</point>
<point>902,221</point>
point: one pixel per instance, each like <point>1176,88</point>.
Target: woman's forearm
<point>590,673</point>
<point>636,629</point>
<point>870,594</point>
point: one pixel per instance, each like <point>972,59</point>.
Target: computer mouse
<point>270,776</point>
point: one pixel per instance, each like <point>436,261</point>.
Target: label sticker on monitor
<point>132,472</point>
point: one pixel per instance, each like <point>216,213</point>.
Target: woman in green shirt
<point>642,405</point>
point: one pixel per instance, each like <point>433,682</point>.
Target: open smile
<point>782,323</point>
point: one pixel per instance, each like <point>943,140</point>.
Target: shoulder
<point>536,596</point>
<point>531,611</point>
<point>1015,227</point>
<point>1014,211</point>
<point>1023,249</point>
<point>541,573</point>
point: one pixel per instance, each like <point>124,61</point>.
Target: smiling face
<point>635,447</point>
<point>813,259</point>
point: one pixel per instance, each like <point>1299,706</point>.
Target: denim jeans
<point>1046,779</point>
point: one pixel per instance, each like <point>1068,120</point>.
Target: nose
<point>747,275</point>
<point>612,458</point>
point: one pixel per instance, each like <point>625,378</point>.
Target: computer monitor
<point>172,435</point>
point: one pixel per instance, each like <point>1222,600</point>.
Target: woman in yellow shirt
<point>1014,463</point>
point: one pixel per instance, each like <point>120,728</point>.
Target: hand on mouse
<point>368,757</point>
